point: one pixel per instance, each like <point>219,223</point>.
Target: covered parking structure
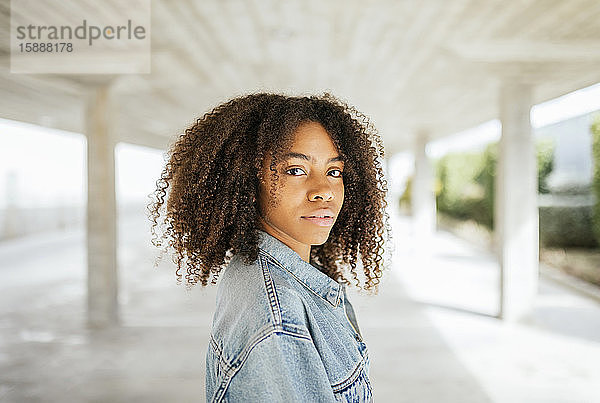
<point>421,70</point>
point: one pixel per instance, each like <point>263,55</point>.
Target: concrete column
<point>516,213</point>
<point>101,211</point>
<point>423,196</point>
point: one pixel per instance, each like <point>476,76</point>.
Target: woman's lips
<point>323,222</point>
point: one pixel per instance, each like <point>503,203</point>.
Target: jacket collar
<point>307,274</point>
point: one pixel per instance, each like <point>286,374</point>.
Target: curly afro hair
<point>207,194</point>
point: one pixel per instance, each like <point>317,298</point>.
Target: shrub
<point>545,163</point>
<point>468,181</point>
<point>406,198</point>
<point>485,177</point>
<point>457,189</point>
<point>566,225</point>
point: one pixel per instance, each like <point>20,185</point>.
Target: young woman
<point>276,196</point>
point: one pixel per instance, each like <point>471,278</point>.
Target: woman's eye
<point>291,169</point>
<point>339,175</point>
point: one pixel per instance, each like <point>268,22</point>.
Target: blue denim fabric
<point>284,331</point>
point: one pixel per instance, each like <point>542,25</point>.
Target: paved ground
<point>431,330</point>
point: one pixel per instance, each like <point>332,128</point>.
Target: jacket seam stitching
<point>214,345</point>
<point>276,262</point>
<point>225,366</point>
<point>350,380</point>
<point>271,293</point>
<point>232,370</point>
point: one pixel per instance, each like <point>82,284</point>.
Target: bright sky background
<point>570,105</point>
<point>40,166</point>
<point>46,167</point>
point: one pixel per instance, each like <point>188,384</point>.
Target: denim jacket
<point>284,331</point>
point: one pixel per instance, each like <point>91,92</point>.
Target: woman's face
<point>310,179</point>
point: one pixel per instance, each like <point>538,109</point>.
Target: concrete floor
<point>431,330</point>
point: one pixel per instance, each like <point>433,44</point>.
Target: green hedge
<point>467,181</point>
<point>406,198</point>
<point>595,131</point>
<point>460,195</point>
<point>545,163</point>
<point>567,226</point>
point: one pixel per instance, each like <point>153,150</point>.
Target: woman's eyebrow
<point>309,157</point>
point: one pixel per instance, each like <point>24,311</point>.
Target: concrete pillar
<point>101,211</point>
<point>516,213</point>
<point>423,196</point>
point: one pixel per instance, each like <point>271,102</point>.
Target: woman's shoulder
<point>261,280</point>
<point>252,301</point>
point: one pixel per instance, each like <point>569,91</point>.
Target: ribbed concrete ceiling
<point>412,66</point>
